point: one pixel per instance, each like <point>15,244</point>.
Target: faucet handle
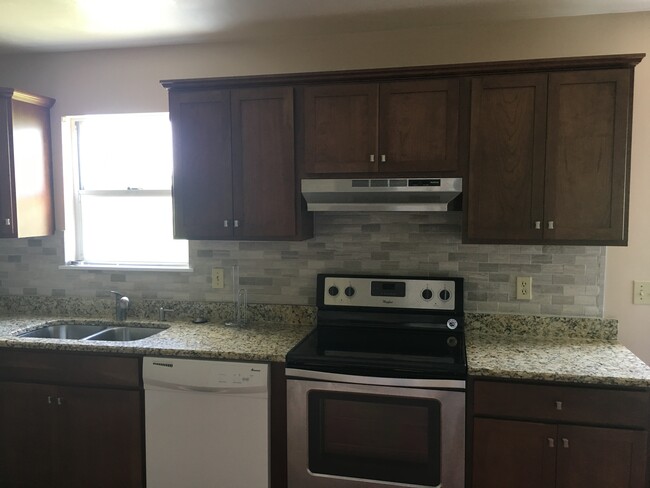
<point>162,313</point>
<point>117,294</point>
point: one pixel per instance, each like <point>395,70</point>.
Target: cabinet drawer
<point>562,403</point>
<point>69,368</point>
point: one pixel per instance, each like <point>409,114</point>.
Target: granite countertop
<point>567,360</point>
<point>253,342</point>
<point>544,349</point>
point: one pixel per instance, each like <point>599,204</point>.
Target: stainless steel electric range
<point>376,392</point>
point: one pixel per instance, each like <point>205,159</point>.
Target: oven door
<point>352,431</point>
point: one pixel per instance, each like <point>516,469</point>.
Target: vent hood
<point>382,194</point>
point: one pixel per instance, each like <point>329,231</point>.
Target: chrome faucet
<point>121,306</point>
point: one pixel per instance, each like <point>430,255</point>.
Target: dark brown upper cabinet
<point>234,170</point>
<point>398,128</point>
<point>26,204</point>
<point>549,158</point>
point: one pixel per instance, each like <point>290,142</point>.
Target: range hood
<point>382,194</point>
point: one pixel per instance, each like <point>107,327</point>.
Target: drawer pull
<point>565,442</point>
<point>558,405</point>
<point>49,400</point>
<point>551,442</point>
<point>59,401</point>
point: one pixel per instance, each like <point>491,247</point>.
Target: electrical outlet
<point>217,277</point>
<point>641,293</point>
<point>524,288</point>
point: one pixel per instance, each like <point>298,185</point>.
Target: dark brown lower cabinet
<point>515,454</point>
<point>529,435</point>
<point>62,435</point>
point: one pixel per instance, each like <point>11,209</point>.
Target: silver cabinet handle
<point>236,223</point>
<point>59,401</point>
<point>383,158</point>
<point>558,405</point>
<point>372,158</point>
<point>49,400</point>
<point>538,224</point>
<point>565,442</point>
<point>551,442</point>
<point>551,225</point>
<point>7,221</point>
<point>225,223</point>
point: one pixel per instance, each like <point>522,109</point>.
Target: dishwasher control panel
<point>204,375</point>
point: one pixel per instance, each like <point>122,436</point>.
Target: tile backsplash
<point>567,280</point>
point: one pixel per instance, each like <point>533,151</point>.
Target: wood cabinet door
<point>418,126</point>
<point>26,435</point>
<point>587,168</point>
<point>340,128</point>
<point>202,182</point>
<point>511,454</point>
<point>264,181</point>
<point>600,457</point>
<point>99,439</point>
<point>7,197</point>
<point>506,158</point>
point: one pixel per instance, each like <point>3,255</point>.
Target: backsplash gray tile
<point>567,280</point>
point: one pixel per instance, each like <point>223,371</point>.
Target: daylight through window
<point>122,170</point>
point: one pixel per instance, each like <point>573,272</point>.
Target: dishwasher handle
<point>222,390</point>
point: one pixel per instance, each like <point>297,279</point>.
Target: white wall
<point>127,81</point>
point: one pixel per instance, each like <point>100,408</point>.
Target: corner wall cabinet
<point>234,169</point>
<point>70,420</point>
<point>549,157</point>
<point>536,435</point>
<point>26,205</point>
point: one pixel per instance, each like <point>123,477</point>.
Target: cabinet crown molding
<point>412,72</point>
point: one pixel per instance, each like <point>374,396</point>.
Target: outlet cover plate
<point>524,288</point>
<point>641,293</point>
<point>217,277</point>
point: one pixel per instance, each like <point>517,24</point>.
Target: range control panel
<point>410,293</point>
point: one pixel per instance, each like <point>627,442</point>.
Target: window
<point>121,173</point>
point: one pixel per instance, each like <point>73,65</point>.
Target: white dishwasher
<point>206,423</point>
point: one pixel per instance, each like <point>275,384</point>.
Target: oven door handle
<point>293,373</point>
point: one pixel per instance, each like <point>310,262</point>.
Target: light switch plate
<point>641,293</point>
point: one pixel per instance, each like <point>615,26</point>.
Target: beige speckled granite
<point>541,326</point>
<point>571,350</point>
<point>148,309</point>
<point>256,342</point>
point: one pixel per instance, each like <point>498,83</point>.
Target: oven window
<point>375,437</point>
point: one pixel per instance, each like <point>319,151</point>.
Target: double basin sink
<point>93,332</point>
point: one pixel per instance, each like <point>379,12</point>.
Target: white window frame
<point>73,236</point>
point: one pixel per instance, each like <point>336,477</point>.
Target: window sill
<point>128,267</point>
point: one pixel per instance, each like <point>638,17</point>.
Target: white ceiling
<point>56,25</point>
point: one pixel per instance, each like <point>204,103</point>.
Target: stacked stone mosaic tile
<point>567,280</point>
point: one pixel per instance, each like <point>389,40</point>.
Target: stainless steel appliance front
<point>347,431</point>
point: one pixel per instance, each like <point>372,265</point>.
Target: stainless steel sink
<point>65,331</point>
<point>125,334</point>
<point>94,332</point>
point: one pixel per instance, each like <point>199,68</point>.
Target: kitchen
<point>582,281</point>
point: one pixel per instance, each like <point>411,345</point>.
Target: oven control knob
<point>452,324</point>
<point>444,295</point>
<point>427,294</point>
<point>333,291</point>
<point>349,291</point>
